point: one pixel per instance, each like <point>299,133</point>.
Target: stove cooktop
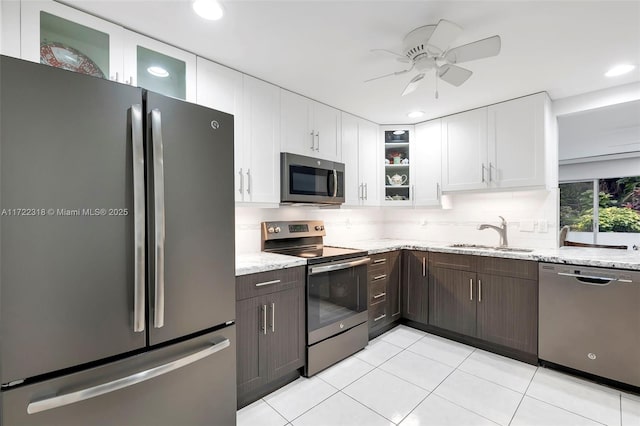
<point>321,254</point>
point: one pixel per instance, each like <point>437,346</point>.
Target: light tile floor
<point>408,377</point>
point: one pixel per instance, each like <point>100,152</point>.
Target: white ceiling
<point>320,49</point>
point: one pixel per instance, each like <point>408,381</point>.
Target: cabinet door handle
<point>479,290</point>
<point>366,192</point>
<point>483,172</point>
<point>264,319</point>
<point>248,181</point>
<point>273,317</point>
<point>379,318</point>
<point>438,191</point>
<point>378,261</point>
<point>424,266</point>
<point>318,136</point>
<point>313,141</point>
<point>241,190</point>
<point>490,177</point>
<point>471,289</point>
<point>413,195</point>
<point>360,192</point>
<point>378,296</point>
<point>380,277</point>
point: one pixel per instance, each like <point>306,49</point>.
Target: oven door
<point>311,180</point>
<point>336,297</point>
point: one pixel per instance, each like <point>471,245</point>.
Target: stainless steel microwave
<point>308,180</point>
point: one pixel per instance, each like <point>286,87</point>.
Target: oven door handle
<point>338,266</point>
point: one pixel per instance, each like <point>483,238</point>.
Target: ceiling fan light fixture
<point>620,70</point>
<point>415,114</point>
<point>208,9</point>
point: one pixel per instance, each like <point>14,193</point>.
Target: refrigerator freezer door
<point>191,217</point>
<point>67,196</point>
<point>202,392</point>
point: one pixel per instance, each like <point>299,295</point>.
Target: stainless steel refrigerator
<point>117,287</point>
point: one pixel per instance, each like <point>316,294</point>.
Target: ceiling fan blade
<point>477,50</point>
<point>390,74</point>
<point>413,84</point>
<point>399,57</point>
<point>453,74</point>
<point>443,35</point>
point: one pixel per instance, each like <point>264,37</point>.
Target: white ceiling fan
<point>428,48</point>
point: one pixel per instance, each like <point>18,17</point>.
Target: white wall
<point>342,225</point>
<point>459,224</point>
<point>456,224</point>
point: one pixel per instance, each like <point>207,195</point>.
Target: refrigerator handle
<point>84,394</point>
<point>158,197</point>
<point>138,218</point>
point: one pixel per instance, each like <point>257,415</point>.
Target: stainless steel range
<point>336,290</point>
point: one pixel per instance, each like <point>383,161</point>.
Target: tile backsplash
<point>531,219</point>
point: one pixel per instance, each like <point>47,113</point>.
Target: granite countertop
<point>606,258</point>
<point>261,262</point>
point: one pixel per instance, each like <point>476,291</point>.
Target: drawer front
<point>515,268</point>
<point>378,315</point>
<point>460,262</point>
<point>262,283</point>
<point>377,292</point>
<point>378,260</point>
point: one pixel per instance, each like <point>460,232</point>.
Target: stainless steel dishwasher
<point>589,320</point>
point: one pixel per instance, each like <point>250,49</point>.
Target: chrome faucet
<point>502,230</point>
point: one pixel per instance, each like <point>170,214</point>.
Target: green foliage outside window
<point>618,202</point>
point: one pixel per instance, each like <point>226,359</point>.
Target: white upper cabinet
<point>464,151</point>
<point>260,157</point>
<point>159,67</point>
<point>309,127</point>
<point>359,153</point>
<point>350,157</point>
<point>426,153</point>
<point>495,147</point>
<point>66,38</point>
<point>10,28</point>
<point>368,162</point>
<point>516,132</point>
<point>221,88</point>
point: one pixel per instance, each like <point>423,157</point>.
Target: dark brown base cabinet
<point>384,278</point>
<point>270,324</point>
<point>415,285</point>
<point>492,299</point>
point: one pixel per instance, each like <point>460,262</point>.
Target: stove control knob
<point>270,230</point>
<point>322,228</point>
<point>318,228</point>
<point>277,229</point>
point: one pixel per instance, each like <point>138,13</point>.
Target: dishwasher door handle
<point>590,279</point>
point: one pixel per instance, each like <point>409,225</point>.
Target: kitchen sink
<point>505,249</point>
<point>513,249</point>
<point>461,245</point>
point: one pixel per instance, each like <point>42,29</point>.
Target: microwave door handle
<point>335,183</point>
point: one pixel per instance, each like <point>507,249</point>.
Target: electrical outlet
<point>543,226</point>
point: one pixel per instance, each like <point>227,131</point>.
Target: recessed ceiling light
<point>415,114</point>
<point>398,132</point>
<point>158,71</point>
<point>208,9</point>
<point>619,70</point>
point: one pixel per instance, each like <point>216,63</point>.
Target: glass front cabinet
<point>397,179</point>
<point>63,37</point>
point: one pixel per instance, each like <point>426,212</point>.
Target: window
<point>616,209</point>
